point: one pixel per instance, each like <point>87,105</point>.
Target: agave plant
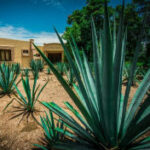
<point>70,76</point>
<point>35,68</point>
<point>35,72</point>
<point>104,121</point>
<point>25,72</point>
<point>38,64</point>
<point>27,102</point>
<point>48,70</point>
<point>52,136</point>
<point>8,77</point>
<point>61,67</point>
<point>16,68</point>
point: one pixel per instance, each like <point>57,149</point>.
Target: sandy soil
<point>22,136</point>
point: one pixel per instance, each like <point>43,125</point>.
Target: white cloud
<point>20,33</point>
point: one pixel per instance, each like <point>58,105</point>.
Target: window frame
<point>5,57</point>
<point>25,54</point>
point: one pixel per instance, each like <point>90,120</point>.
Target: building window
<point>25,52</point>
<point>5,55</point>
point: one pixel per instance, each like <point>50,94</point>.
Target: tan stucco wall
<point>53,48</point>
<point>17,46</point>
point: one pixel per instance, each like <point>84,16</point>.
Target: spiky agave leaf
<point>104,121</point>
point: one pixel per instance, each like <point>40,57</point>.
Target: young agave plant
<point>70,76</point>
<point>35,69</point>
<point>35,72</point>
<point>27,102</point>
<point>103,120</point>
<point>48,70</point>
<point>61,67</point>
<point>25,72</point>
<point>52,136</point>
<point>16,68</point>
<point>40,65</point>
<point>7,78</point>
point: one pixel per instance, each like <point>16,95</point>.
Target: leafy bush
<point>138,75</point>
<point>52,136</point>
<point>61,67</point>
<point>8,76</point>
<point>27,102</point>
<point>104,119</point>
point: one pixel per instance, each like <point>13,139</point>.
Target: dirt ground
<point>24,135</point>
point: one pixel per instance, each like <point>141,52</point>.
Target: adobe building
<point>22,52</point>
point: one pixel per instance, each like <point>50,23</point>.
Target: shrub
<point>8,76</point>
<point>138,74</point>
<point>104,119</point>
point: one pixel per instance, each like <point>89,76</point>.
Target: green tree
<point>143,9</point>
<point>133,23</point>
<point>80,22</point>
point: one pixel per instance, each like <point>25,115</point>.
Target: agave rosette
<point>104,119</point>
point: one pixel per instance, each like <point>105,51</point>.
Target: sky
<point>26,19</point>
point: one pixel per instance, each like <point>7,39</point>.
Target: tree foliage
<point>80,21</point>
<point>143,10</point>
